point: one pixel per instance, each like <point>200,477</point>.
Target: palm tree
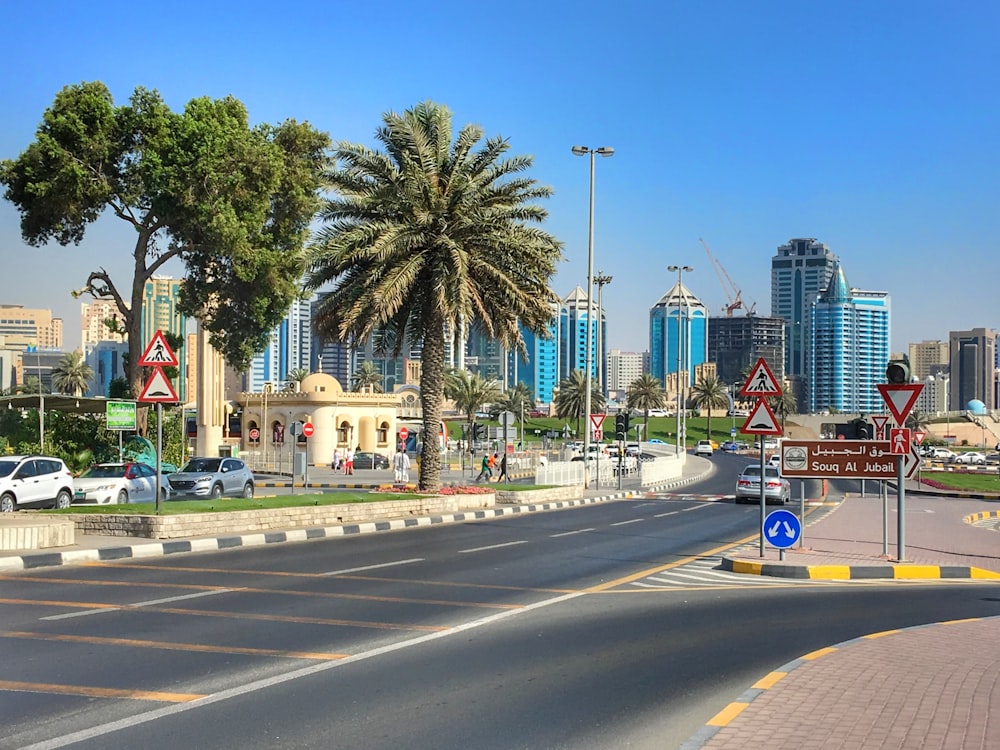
<point>295,378</point>
<point>708,393</point>
<point>645,393</point>
<point>428,235</point>
<point>469,391</point>
<point>917,420</point>
<point>72,375</point>
<point>571,400</point>
<point>367,377</point>
<point>783,405</point>
<point>517,399</point>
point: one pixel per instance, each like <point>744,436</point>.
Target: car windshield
<point>198,465</point>
<point>104,472</point>
<point>754,471</point>
<point>6,467</point>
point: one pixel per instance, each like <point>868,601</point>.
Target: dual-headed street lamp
<point>681,298</point>
<point>583,151</point>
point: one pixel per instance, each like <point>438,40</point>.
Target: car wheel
<point>7,504</point>
<point>217,492</point>
<point>248,490</point>
<point>63,499</point>
<point>122,497</point>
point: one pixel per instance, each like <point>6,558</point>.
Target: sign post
<point>900,398</point>
<point>762,384</point>
<point>158,390</point>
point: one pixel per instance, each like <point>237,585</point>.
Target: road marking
<point>491,546</point>
<point>150,603</point>
<point>268,682</point>
<point>372,567</point>
<point>626,523</point>
<point>570,533</point>
<point>695,507</point>
<point>668,513</point>
<point>166,646</point>
<point>97,692</point>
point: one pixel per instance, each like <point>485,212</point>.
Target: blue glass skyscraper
<point>678,319</point>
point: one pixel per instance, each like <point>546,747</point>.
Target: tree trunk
<point>431,397</point>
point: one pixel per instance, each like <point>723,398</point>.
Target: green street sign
<point>120,415</point>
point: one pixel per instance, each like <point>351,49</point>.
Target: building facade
<point>736,343</point>
<point>800,270</point>
<point>973,375</point>
<point>575,314</point>
<point>849,334</point>
<point>288,350</point>
<point>34,325</point>
<point>678,333</point>
<point>624,368</point>
<point>927,358</point>
<point>94,317</point>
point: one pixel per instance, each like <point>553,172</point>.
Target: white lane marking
<point>694,507</point>
<point>625,523</point>
<point>669,513</point>
<point>372,567</point>
<point>570,533</point>
<point>492,546</point>
<point>252,687</point>
<point>149,603</point>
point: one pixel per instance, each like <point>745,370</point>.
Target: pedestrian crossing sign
<point>158,353</point>
<point>761,381</point>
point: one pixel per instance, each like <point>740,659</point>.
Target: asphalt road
<point>541,631</point>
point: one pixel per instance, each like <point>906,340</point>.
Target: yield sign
<point>597,420</point>
<point>761,381</point>
<point>761,421</point>
<point>900,398</point>
<point>918,436</point>
<point>158,389</point>
<point>880,421</point>
<point>158,353</point>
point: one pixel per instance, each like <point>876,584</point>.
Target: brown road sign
<point>851,459</point>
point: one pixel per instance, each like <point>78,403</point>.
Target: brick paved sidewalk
<point>900,690</point>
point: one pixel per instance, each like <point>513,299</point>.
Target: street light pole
<point>680,292</point>
<point>583,151</point>
<point>601,279</point>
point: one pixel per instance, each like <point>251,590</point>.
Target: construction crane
<point>732,292</point>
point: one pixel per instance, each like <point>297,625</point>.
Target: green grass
<point>172,507</point>
<point>970,482</point>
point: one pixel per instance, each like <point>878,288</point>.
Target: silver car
<point>777,489</point>
<point>202,478</point>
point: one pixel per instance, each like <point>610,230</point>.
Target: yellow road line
<point>727,714</point>
<point>98,692</point>
<point>130,584</point>
<point>167,646</point>
<point>769,680</point>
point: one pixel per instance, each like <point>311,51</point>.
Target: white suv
<point>704,448</point>
<point>34,482</point>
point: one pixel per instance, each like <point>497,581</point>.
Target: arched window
<point>344,433</point>
<point>383,433</point>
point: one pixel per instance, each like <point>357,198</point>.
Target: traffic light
<point>864,431</point>
<point>621,426</point>
<point>897,371</point>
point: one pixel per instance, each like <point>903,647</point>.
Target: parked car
<point>119,483</point>
<point>776,488</point>
<point>704,448</point>
<point>770,444</point>
<point>34,482</point>
<point>369,460</point>
<point>212,477</point>
<point>974,458</point>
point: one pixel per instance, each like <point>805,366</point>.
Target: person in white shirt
<point>401,466</point>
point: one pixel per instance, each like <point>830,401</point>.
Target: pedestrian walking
<point>335,464</point>
<point>349,461</point>
<point>401,466</point>
<point>484,470</point>
<point>492,463</point>
<point>503,469</point>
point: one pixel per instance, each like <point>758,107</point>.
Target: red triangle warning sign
<point>158,389</point>
<point>900,398</point>
<point>158,353</point>
<point>880,421</point>
<point>761,421</point>
<point>761,381</point>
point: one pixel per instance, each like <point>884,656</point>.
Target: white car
<point>704,448</point>
<point>119,483</point>
<point>940,454</point>
<point>34,482</point>
<point>973,458</point>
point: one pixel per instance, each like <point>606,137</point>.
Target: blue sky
<point>871,126</point>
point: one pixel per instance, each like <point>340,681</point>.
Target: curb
<point>722,719</point>
<point>857,572</point>
<point>212,544</point>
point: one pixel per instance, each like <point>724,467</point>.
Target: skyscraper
<point>736,343</point>
<point>928,358</point>
<point>678,333</point>
<point>800,270</point>
<point>36,326</point>
<point>160,312</point>
<point>972,370</point>
<point>288,350</point>
<point>849,333</point>
<point>574,316</point>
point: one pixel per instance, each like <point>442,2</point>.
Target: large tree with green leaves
<point>709,393</point>
<point>231,201</point>
<point>645,393</point>
<point>368,378</point>
<point>72,375</point>
<point>427,235</point>
<point>519,400</point>
<point>571,399</point>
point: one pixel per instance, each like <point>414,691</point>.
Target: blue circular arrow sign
<point>782,528</point>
